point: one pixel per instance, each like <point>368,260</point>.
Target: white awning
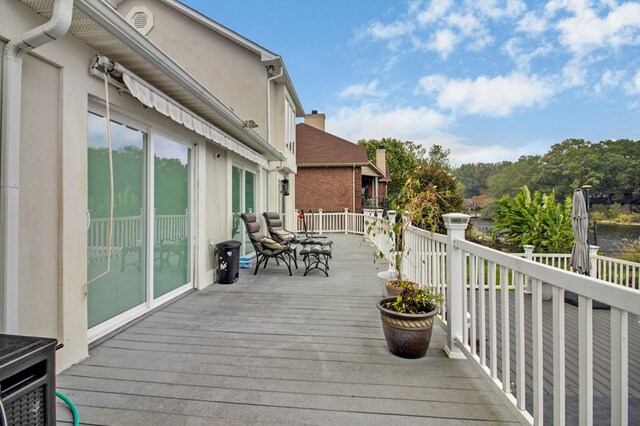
<point>154,98</point>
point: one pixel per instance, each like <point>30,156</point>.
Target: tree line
<point>610,167</point>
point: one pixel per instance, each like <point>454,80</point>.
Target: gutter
<point>115,24</point>
<point>14,51</point>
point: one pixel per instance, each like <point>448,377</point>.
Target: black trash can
<point>227,257</point>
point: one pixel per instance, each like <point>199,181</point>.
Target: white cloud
<point>523,58</point>
<point>498,9</point>
<point>632,87</point>
<point>585,30</point>
<point>380,31</point>
<point>373,121</point>
<point>531,23</point>
<point>436,10</point>
<point>609,79</point>
<point>494,97</point>
<point>362,90</point>
<point>444,42</point>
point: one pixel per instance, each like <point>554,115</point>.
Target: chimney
<point>381,158</point>
<point>315,120</point>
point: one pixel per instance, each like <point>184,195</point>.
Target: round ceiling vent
<point>141,19</point>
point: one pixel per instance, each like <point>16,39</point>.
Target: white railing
<point>326,223</point>
<point>424,260</point>
<point>508,345</point>
<point>617,271</point>
<point>612,270</point>
<point>129,231</point>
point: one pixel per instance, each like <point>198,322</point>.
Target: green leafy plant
<point>416,300</point>
<point>428,194</point>
<point>537,220</point>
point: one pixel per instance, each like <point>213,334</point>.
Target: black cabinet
<point>27,380</point>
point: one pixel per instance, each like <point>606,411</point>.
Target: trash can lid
<point>229,244</point>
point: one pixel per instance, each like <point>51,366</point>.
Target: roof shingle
<point>317,147</point>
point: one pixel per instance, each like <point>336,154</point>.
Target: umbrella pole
<point>585,192</point>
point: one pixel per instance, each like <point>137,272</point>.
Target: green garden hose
<point>72,406</point>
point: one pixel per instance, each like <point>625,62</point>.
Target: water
<point>612,238</point>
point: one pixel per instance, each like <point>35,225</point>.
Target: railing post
<point>593,264</point>
<point>346,220</point>
<point>528,254</point>
<point>320,221</point>
<point>391,215</point>
<point>296,221</point>
<point>456,224</point>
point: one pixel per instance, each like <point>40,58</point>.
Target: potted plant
<point>407,320</point>
<point>407,317</point>
<point>426,196</point>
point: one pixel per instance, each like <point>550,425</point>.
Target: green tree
<point>537,220</point>
<point>429,193</point>
<point>510,177</point>
<point>475,176</point>
<point>403,157</point>
<point>439,157</point>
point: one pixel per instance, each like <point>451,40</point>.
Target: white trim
<point>106,327</point>
<point>164,104</point>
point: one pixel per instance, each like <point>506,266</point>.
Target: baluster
<point>585,361</point>
<point>493,330</point>
<point>506,344</point>
<point>473,265</point>
<point>538,367</point>
<point>483,323</point>
<point>558,357</point>
<point>521,377</point>
<point>619,367</point>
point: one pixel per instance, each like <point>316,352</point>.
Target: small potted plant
<point>407,320</point>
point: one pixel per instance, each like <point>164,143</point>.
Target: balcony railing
<point>494,314</point>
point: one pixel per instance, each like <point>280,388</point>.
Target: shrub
<point>537,220</point>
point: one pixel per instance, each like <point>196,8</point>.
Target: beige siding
<point>39,201</point>
<point>235,75</point>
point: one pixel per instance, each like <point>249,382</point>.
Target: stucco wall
<point>57,92</point>
<point>328,188</point>
<point>236,75</point>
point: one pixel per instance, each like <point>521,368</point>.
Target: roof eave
<point>112,21</point>
<point>303,165</point>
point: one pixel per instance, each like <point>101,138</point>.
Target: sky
<point>490,80</point>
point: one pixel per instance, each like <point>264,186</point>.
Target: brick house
<point>334,173</point>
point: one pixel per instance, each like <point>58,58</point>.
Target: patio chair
<point>316,249</point>
<point>281,235</point>
<point>265,248</point>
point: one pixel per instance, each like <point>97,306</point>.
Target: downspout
<point>269,80</point>
<point>14,52</point>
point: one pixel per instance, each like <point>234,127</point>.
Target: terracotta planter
<point>407,335</point>
<point>392,291</point>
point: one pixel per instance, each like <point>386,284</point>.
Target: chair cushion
<point>284,235</point>
<point>269,243</point>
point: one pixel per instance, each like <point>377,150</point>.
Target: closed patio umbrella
<point>580,225</point>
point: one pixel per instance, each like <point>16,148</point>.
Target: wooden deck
<point>274,349</point>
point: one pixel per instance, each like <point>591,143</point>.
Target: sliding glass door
<point>172,181</point>
<point>116,265</point>
<point>138,254</point>
<point>243,200</point>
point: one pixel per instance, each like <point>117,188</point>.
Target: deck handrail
<point>475,279</point>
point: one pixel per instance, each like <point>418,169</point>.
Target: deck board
<point>274,349</point>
